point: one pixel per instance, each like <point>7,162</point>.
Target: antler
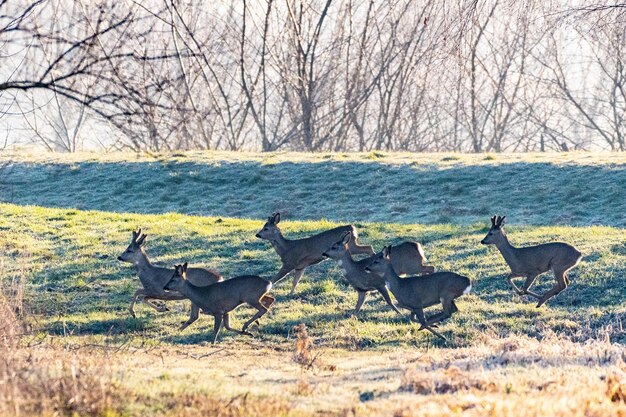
<point>135,235</point>
<point>500,221</point>
<point>141,239</point>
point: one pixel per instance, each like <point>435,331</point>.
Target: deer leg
<point>166,295</point>
<point>421,319</point>
<point>133,300</point>
<point>360,301</point>
<point>561,284</point>
<point>227,326</point>
<point>449,308</point>
<point>217,327</point>
<point>262,310</point>
<point>296,278</point>
<point>193,316</point>
<point>161,308</point>
<point>267,301</point>
<point>383,291</point>
<point>281,274</point>
<point>530,279</point>
<point>509,278</point>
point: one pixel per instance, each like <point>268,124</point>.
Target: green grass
<point>64,219</point>
<point>77,287</point>
<point>577,189</point>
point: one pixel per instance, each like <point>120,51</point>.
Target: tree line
<point>313,75</point>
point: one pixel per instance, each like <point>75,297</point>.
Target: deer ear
<point>185,267</point>
<point>386,251</point>
<point>493,221</point>
<point>346,238</point>
<point>501,223</point>
<point>276,218</point>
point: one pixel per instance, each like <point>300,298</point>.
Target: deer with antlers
<point>297,254</point>
<point>154,278</point>
<point>532,261</point>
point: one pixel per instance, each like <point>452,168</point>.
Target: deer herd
<point>381,272</point>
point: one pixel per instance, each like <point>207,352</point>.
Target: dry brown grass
<point>196,405</point>
<point>518,376</point>
<point>44,381</point>
<point>302,354</point>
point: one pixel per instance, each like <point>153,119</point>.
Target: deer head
<point>379,262</point>
<point>496,232</point>
<point>178,279</point>
<point>338,249</point>
<point>270,230</point>
<point>134,250</point>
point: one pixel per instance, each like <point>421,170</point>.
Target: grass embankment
<point>502,349</point>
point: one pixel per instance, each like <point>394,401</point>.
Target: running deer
<point>355,273</point>
<point>417,293</point>
<point>223,297</point>
<point>298,254</point>
<point>407,258</point>
<point>154,278</point>
<point>532,261</point>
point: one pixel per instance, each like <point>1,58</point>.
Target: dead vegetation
<point>37,380</point>
<point>302,354</point>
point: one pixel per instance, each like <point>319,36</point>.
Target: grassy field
<point>64,219</point>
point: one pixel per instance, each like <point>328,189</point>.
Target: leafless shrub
<point>360,75</point>
<point>302,354</point>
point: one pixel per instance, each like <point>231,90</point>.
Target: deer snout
<point>258,235</point>
<point>483,242</point>
<point>119,258</point>
<point>325,255</point>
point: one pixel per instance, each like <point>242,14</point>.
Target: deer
<point>532,261</point>
<point>297,254</point>
<point>153,278</point>
<point>221,298</point>
<point>416,293</point>
<point>407,258</point>
<point>354,272</point>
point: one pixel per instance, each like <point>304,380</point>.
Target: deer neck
<point>143,264</point>
<point>280,244</point>
<point>508,251</point>
<point>346,263</point>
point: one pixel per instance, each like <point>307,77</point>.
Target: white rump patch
<point>269,286</point>
<point>468,289</point>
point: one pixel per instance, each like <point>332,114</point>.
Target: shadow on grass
<point>113,327</point>
<point>529,193</point>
